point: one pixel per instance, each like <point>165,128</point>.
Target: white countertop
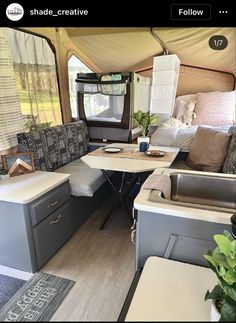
<point>24,189</point>
<point>126,164</point>
<point>171,291</point>
<point>142,202</point>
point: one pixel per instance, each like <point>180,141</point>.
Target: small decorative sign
<point>18,163</point>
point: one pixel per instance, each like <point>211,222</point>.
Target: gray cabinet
<point>173,237</point>
<point>45,205</point>
<point>31,233</point>
<point>52,233</point>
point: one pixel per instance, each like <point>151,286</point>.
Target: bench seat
<point>58,149</point>
<point>84,181</point>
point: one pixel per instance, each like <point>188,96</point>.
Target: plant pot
<point>215,315</point>
<point>5,176</point>
<point>143,139</point>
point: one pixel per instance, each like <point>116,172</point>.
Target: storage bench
<point>59,149</point>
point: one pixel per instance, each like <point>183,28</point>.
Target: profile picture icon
<point>14,11</point>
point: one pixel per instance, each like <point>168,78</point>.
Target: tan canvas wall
<point>132,49</point>
<point>193,80</point>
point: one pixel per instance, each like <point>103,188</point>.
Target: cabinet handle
<point>53,204</point>
<point>133,236</point>
<point>57,220</point>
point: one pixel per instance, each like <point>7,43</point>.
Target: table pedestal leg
<point>119,196</point>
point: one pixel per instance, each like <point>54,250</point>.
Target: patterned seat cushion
<point>229,166</point>
<point>56,146</point>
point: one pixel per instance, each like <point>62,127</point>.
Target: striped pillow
<point>215,108</point>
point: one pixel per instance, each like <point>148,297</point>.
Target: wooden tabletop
<point>131,165</point>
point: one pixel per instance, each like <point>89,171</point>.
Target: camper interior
<point>118,170</point>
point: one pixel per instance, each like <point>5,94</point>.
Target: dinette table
<point>128,160</point>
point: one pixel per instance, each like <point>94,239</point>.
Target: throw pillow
<point>189,115</point>
<point>208,149</point>
<point>230,160</point>
<point>181,104</point>
<point>215,108</point>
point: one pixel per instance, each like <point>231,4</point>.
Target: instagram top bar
<point>117,14</point>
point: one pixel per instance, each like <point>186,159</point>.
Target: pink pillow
<point>215,108</point>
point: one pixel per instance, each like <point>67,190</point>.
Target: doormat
<point>38,299</point>
<point>8,287</point>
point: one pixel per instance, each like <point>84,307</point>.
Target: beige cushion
<point>84,181</point>
<point>208,149</point>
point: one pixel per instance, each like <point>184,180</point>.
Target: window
<point>36,79</point>
<point>11,121</point>
<point>75,66</point>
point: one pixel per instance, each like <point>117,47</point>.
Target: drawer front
<point>49,202</point>
<point>52,233</point>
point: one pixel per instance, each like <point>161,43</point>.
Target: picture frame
<point>18,163</point>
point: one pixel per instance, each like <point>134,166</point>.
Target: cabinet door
<point>52,233</point>
<point>49,202</point>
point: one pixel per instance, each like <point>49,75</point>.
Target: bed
<point>214,109</point>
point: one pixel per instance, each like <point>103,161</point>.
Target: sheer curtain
<point>75,66</point>
<point>11,121</point>
<point>36,79</point>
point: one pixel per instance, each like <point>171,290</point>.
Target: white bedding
<point>178,135</point>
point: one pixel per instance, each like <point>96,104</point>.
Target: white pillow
<point>164,137</point>
<point>181,104</point>
<point>174,137</point>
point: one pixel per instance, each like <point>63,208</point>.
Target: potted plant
<point>144,120</point>
<point>4,174</point>
<point>222,260</point>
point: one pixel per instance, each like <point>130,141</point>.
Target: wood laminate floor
<point>103,265</point>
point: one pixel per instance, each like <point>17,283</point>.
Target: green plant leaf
<point>232,262</point>
<point>220,258</point>
<point>153,119</point>
<point>138,116</point>
<point>228,311</point>
<point>221,271</point>
<point>233,250</point>
<point>144,119</point>
<point>223,243</point>
<point>216,293</point>
<point>230,277</point>
<point>228,235</point>
<point>211,261</point>
<point>230,291</point>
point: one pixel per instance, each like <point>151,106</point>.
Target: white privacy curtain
<point>11,120</point>
<point>36,79</point>
<point>75,66</point>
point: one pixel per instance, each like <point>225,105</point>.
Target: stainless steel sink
<point>200,191</point>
